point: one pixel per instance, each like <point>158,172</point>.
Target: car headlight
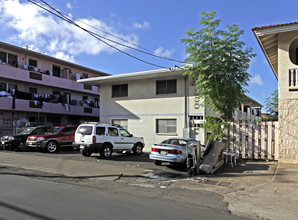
<point>11,138</point>
<point>40,139</point>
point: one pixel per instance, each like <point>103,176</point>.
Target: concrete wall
<point>143,107</point>
<point>288,102</point>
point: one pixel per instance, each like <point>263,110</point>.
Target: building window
<point>32,90</point>
<point>120,90</point>
<point>293,51</point>
<point>122,122</point>
<point>8,58</point>
<point>166,86</point>
<point>2,86</point>
<point>56,71</point>
<point>32,62</point>
<point>12,59</point>
<point>11,87</point>
<point>166,126</point>
<point>3,56</point>
<point>85,75</point>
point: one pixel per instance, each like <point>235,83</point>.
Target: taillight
<point>94,139</point>
<point>154,149</point>
<point>174,151</point>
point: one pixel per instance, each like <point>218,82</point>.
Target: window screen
<point>166,126</point>
<point>166,86</point>
<point>119,90</point>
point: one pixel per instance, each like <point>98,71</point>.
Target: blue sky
<point>157,25</point>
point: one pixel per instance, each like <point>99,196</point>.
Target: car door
<point>126,139</point>
<point>66,136</point>
<point>114,137</point>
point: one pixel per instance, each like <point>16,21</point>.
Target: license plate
<point>81,146</point>
<point>163,152</point>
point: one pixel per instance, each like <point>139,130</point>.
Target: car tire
<point>22,146</point>
<point>106,152</point>
<point>157,162</point>
<point>51,147</point>
<point>85,153</point>
<point>138,149</point>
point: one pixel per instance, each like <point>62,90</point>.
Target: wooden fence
<point>254,140</point>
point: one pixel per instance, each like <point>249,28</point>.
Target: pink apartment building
<point>44,90</point>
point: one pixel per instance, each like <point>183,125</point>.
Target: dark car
<point>18,142</point>
<point>59,136</point>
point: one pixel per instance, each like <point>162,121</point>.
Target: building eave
<point>267,37</point>
<point>133,76</point>
<point>50,58</point>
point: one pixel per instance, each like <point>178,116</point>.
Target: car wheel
<point>22,146</point>
<point>52,146</point>
<point>157,162</point>
<point>85,153</point>
<point>106,152</point>
<point>138,149</point>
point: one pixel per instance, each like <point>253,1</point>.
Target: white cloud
<point>163,52</point>
<point>145,25</point>
<point>63,56</point>
<point>68,5</point>
<point>34,26</point>
<point>257,80</point>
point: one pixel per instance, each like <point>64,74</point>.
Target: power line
<point>66,18</point>
<point>95,36</point>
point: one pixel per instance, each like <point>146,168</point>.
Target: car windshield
<point>54,130</point>
<point>27,130</point>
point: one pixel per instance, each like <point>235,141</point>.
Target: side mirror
<point>131,135</point>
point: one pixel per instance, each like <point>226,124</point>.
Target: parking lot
<point>137,166</point>
<point>247,189</point>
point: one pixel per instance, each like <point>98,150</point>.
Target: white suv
<point>104,139</point>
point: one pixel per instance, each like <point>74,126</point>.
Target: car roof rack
<point>103,123</point>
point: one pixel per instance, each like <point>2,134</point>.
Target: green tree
<point>272,106</point>
<point>219,63</point>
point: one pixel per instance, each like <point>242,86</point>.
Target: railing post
<point>296,78</point>
<point>292,73</point>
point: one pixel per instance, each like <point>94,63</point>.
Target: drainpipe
<point>185,103</point>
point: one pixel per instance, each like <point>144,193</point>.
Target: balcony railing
<point>46,107</point>
<point>245,116</point>
<point>31,76</point>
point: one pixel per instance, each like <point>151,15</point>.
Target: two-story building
<point>41,89</point>
<point>158,104</point>
<point>280,46</point>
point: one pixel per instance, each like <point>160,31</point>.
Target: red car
<point>57,137</point>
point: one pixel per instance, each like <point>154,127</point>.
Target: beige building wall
<point>288,102</point>
<point>143,107</point>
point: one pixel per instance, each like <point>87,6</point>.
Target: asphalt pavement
<point>254,189</point>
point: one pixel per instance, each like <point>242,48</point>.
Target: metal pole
<point>198,156</point>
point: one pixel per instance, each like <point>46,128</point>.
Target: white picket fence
<point>254,141</point>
